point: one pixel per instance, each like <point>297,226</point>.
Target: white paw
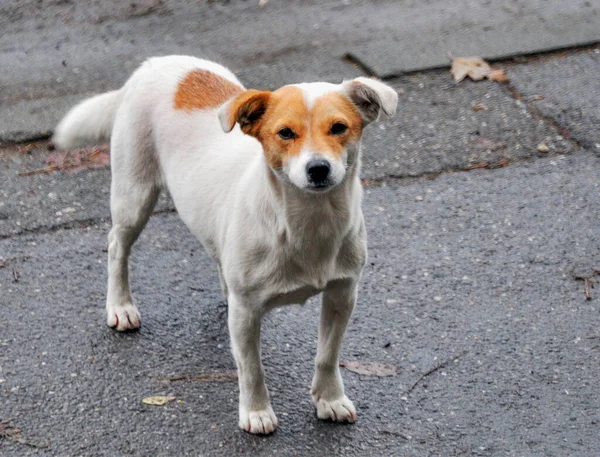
<point>123,317</point>
<point>338,410</point>
<point>262,421</point>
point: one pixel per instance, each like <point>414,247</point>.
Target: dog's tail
<point>90,122</point>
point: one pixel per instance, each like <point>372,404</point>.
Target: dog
<point>269,184</point>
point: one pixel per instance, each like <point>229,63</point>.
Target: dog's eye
<point>338,128</point>
<point>287,133</point>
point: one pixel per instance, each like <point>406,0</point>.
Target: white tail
<point>90,122</point>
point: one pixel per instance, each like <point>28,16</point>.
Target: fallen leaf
<point>370,369</point>
<point>475,68</point>
<point>74,161</point>
<point>479,107</point>
<point>497,75</point>
<point>157,400</point>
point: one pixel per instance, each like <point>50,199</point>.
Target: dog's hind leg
<point>135,188</point>
<point>327,387</point>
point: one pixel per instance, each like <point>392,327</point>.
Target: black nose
<point>318,171</point>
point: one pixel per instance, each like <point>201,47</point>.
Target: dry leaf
<point>157,400</point>
<point>497,75</point>
<point>74,161</point>
<point>474,67</point>
<point>370,369</point>
<point>479,107</point>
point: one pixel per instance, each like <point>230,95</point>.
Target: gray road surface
<point>470,292</point>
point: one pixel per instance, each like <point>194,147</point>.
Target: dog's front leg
<point>327,386</point>
<point>256,414</point>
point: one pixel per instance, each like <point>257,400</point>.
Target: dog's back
<point>165,131</point>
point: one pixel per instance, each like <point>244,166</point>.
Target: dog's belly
<point>293,297</point>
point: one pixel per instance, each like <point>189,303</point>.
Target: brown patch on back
<point>202,89</point>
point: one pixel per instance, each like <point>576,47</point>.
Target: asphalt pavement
<point>482,208</point>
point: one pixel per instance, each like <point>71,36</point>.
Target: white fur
<point>296,167</point>
<point>273,242</point>
<point>387,95</point>
<point>91,120</point>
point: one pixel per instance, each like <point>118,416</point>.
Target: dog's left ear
<point>371,97</point>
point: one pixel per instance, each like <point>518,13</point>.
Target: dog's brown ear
<point>246,109</point>
<point>371,98</point>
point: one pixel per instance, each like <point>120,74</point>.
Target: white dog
<point>276,201</point>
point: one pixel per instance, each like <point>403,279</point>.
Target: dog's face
<point>311,132</point>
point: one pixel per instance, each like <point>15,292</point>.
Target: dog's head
<point>310,132</point>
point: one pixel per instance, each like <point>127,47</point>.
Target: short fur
<point>277,238</point>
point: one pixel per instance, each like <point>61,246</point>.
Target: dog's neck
<point>303,216</point>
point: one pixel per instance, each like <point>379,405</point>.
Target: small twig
<point>434,369</point>
<point>27,148</point>
<point>15,274</point>
<point>389,432</point>
<point>94,154</point>
<point>207,377</point>
<point>588,282</point>
<point>49,169</point>
<point>587,286</point>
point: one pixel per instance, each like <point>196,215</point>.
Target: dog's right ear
<point>246,109</point>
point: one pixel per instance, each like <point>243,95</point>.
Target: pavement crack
<point>72,225</point>
<point>406,179</point>
<point>354,60</point>
<point>536,113</point>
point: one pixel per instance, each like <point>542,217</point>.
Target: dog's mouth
<point>320,186</point>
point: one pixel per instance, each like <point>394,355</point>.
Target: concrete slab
<point>69,48</point>
<point>421,38</point>
<point>471,267</point>
<point>30,120</point>
<point>566,89</point>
